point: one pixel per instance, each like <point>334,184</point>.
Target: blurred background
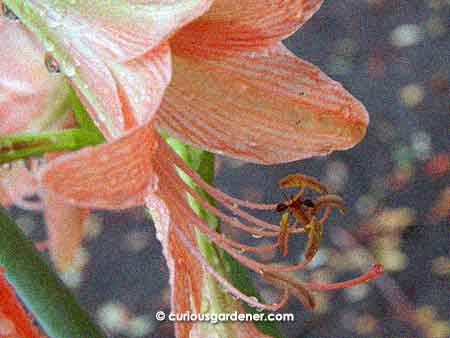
<point>395,57</point>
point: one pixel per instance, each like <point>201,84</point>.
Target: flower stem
<point>19,146</point>
<point>53,304</point>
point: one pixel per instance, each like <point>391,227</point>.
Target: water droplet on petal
<point>51,64</point>
<point>49,46</point>
<point>102,117</point>
<point>69,70</point>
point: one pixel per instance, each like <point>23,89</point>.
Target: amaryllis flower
<point>213,74</point>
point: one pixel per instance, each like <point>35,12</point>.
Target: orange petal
<point>141,84</point>
<point>186,275</point>
<point>64,228</point>
<point>97,89</point>
<point>267,107</point>
<point>26,87</point>
<point>120,96</point>
<point>113,33</point>
<point>243,25</point>
<point>120,30</point>
<point>112,175</point>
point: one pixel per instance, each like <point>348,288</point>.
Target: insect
<point>305,212</point>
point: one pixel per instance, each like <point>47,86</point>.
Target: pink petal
<point>90,38</point>
<point>243,25</point>
<point>141,84</point>
<point>112,175</point>
<point>26,87</point>
<point>64,228</point>
<point>120,30</point>
<point>266,107</point>
<point>97,88</point>
<point>119,96</point>
<point>186,275</point>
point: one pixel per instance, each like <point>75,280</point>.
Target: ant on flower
<point>305,212</point>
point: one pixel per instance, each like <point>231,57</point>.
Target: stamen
<point>220,196</point>
<point>329,200</point>
<point>300,180</point>
<point>215,237</point>
<point>250,263</point>
<point>238,212</point>
<point>377,269</point>
<point>294,287</point>
<point>314,230</point>
<point>252,301</point>
<point>283,237</point>
<point>304,211</point>
<point>232,221</point>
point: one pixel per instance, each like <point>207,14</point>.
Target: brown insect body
<point>305,212</point>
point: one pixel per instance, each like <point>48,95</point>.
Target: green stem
<point>203,162</point>
<point>53,305</point>
<point>19,146</point>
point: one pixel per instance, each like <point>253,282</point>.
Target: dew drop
<point>102,117</point>
<point>257,236</point>
<point>69,70</point>
<point>9,14</point>
<point>51,64</point>
<point>49,46</point>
